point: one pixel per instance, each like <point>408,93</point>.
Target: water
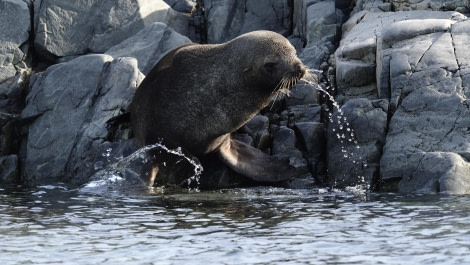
<point>340,127</point>
<point>126,171</point>
<point>339,123</point>
<point>51,224</point>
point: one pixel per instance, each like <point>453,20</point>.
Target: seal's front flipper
<point>161,167</point>
<point>255,164</point>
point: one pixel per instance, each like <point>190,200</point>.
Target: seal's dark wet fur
<point>198,94</point>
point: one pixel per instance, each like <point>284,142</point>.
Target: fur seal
<point>197,94</point>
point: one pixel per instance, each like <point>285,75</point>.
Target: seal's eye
<point>270,66</point>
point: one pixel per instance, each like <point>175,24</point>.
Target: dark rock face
<point>414,60</point>
<point>79,27</point>
<point>401,79</point>
<point>228,19</point>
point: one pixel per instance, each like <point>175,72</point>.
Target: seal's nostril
<point>300,69</point>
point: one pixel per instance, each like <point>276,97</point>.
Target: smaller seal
<point>197,95</point>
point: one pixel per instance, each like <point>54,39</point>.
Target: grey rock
<point>299,18</point>
<point>284,146</point>
<point>7,135</point>
<point>69,112</point>
<point>315,53</point>
<point>318,23</point>
<point>445,172</point>
<point>436,5</point>
<point>112,152</point>
<point>9,170</point>
<point>315,20</point>
<point>372,6</point>
<point>258,127</point>
<point>284,141</point>
<point>185,6</point>
<point>429,96</point>
<point>321,21</point>
<point>395,63</point>
<point>312,137</point>
<point>301,113</point>
<point>15,24</point>
<point>244,138</point>
<point>356,56</point>
<point>228,19</point>
<point>302,94</point>
<point>356,135</point>
<point>149,45</point>
<point>78,27</point>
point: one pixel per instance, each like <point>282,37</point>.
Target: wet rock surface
<point>399,70</point>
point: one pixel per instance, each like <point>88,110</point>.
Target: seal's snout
<point>300,69</point>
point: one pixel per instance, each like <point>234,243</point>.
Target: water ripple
<point>51,224</point>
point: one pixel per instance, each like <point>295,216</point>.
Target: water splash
<point>341,127</point>
<point>179,152</point>
<point>345,132</point>
<point>126,171</point>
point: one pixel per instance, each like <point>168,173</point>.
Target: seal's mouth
<point>290,79</point>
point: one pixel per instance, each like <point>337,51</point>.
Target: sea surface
<point>53,224</point>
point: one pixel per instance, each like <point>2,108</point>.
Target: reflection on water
<point>52,224</point>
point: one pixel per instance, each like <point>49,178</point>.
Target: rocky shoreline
<point>400,71</point>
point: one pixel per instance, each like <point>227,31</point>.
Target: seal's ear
<point>253,163</point>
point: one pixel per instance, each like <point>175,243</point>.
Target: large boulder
<point>67,28</point>
<point>462,6</point>
<point>68,112</point>
<point>229,19</point>
<point>356,59</point>
<point>416,60</point>
<point>317,23</point>
<point>15,24</point>
<point>149,45</point>
<point>427,66</point>
<point>356,135</point>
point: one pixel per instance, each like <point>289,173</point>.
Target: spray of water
<point>340,125</point>
<point>127,170</point>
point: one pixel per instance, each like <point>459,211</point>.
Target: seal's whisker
<point>311,75</point>
<point>274,101</point>
<point>281,84</point>
<point>278,85</point>
<point>283,87</point>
